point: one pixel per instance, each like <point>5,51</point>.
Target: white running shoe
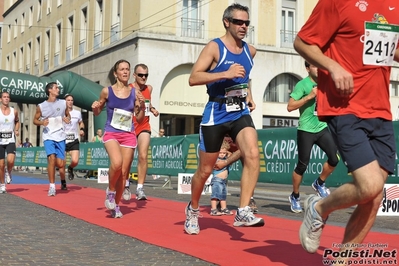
<point>7,176</point>
<point>245,217</point>
<point>127,195</point>
<point>191,225</point>
<point>312,225</point>
<point>51,192</point>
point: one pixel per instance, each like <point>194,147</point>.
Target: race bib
<point>380,42</point>
<point>147,108</point>
<point>240,90</point>
<point>70,136</point>
<point>6,135</point>
<point>233,94</point>
<point>54,124</point>
<point>122,120</point>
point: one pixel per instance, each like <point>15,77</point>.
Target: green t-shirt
<point>308,121</point>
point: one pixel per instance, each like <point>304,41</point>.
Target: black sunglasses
<point>239,22</point>
<point>142,75</point>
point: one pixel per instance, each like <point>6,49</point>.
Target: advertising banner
<point>176,155</point>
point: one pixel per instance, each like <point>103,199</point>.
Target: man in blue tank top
<point>224,66</point>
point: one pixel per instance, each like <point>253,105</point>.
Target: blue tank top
<point>215,113</point>
<point>113,102</point>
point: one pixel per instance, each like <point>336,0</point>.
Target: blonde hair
<point>225,145</point>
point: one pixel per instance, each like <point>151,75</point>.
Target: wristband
<point>82,128</point>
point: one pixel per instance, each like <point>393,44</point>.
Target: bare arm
<point>17,123</point>
<point>343,79</point>
<point>67,118</point>
<point>36,118</point>
<point>252,50</point>
<point>153,110</point>
<point>296,104</point>
<point>250,100</point>
<point>396,57</point>
<point>207,60</point>
<point>139,106</point>
<point>235,156</point>
<point>81,128</point>
<point>98,106</point>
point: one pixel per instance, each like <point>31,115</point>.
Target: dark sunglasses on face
<point>142,75</point>
<point>239,22</point>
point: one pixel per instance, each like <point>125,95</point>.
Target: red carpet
<point>160,222</point>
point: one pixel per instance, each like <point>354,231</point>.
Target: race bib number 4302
<point>380,41</point>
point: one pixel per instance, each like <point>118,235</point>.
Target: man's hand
<point>312,93</point>
<point>251,105</point>
<point>220,164</point>
<point>236,71</point>
<point>343,80</point>
<point>45,122</point>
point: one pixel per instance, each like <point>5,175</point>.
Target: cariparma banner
<point>179,154</point>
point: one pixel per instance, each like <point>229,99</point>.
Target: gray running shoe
<point>312,226</point>
<point>127,195</point>
<point>140,194</point>
<point>3,190</point>
<point>110,201</point>
<point>116,213</point>
<point>51,192</point>
<point>246,217</point>
<point>7,176</point>
<point>191,225</point>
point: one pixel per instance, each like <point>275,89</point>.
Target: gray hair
<point>228,12</point>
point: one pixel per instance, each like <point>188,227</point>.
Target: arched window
<point>280,88</point>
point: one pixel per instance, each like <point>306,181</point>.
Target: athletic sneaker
<point>3,190</point>
<point>140,194</point>
<point>110,200</point>
<point>321,190</point>
<point>245,217</point>
<point>127,195</point>
<point>64,186</point>
<point>51,192</point>
<point>116,213</point>
<point>252,205</point>
<point>295,204</point>
<point>7,176</point>
<point>71,175</point>
<point>191,225</point>
<point>312,226</point>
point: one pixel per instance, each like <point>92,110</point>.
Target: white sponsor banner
<point>184,184</point>
<point>390,201</point>
<point>102,176</point>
